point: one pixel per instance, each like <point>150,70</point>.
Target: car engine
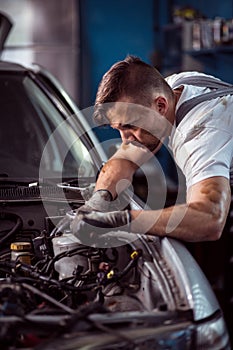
<point>47,275</point>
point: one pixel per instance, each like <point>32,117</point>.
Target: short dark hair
<point>131,78</point>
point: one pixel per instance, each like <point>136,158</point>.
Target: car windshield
<point>35,139</point>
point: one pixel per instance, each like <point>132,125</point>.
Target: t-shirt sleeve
<point>203,153</point>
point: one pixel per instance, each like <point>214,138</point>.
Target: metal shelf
<point>211,51</point>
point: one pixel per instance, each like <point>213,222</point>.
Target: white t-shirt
<point>202,144</point>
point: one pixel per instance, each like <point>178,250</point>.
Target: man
<point>135,99</point>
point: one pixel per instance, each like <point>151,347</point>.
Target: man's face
<point>132,133</point>
<point>139,124</point>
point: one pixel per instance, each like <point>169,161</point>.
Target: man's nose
<point>127,135</point>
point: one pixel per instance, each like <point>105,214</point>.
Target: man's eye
<point>128,126</point>
<point>124,126</point>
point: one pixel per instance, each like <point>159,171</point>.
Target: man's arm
<point>116,175</point>
<point>202,218</point>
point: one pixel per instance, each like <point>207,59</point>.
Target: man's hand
<point>100,201</point>
<point>87,226</point>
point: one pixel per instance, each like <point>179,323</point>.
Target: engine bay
<point>47,275</point>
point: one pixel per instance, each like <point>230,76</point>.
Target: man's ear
<point>161,105</point>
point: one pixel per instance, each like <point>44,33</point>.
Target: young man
<point>146,108</point>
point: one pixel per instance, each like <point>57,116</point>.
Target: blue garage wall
<point>110,30</point>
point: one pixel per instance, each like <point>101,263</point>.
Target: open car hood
<point>5,27</point>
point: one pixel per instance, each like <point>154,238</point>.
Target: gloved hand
<point>88,226</point>
<point>99,201</point>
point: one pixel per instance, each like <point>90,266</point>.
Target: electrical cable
<point>18,225</point>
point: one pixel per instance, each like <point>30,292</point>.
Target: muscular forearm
<point>116,175</point>
<point>201,219</point>
<point>182,222</point>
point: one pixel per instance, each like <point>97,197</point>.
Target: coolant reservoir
<point>66,266</point>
